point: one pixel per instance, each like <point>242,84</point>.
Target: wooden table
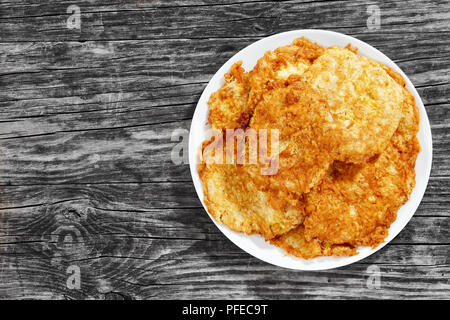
<point>92,205</point>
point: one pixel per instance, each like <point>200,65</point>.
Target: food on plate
<point>355,204</point>
<point>228,106</point>
<point>364,101</point>
<point>295,243</point>
<point>280,65</point>
<point>233,199</point>
<point>335,136</point>
<point>298,116</point>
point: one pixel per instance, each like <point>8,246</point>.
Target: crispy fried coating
<point>303,160</point>
<point>233,199</point>
<point>295,243</point>
<point>359,209</point>
<point>233,104</point>
<point>347,149</point>
<point>365,102</point>
<point>228,105</point>
<point>278,66</point>
<point>355,204</point>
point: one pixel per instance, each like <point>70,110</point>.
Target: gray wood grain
<point>86,177</point>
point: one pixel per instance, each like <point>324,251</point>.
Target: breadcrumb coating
<point>228,105</point>
<point>233,199</point>
<point>354,205</point>
<point>298,115</point>
<point>365,102</point>
<point>347,148</point>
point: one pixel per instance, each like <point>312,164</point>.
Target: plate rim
<point>427,149</point>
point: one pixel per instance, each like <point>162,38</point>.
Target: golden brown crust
<point>347,150</point>
<point>355,204</point>
<point>228,105</point>
<point>233,199</point>
<point>295,243</point>
<point>364,101</point>
<point>297,115</point>
<point>277,67</point>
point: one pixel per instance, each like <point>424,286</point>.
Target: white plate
<point>255,244</point>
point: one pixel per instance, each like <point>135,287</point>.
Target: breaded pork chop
<point>228,106</point>
<point>355,204</point>
<point>276,67</point>
<point>365,102</point>
<point>233,199</point>
<point>303,158</point>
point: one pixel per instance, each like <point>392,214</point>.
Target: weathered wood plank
<point>178,253</point>
<point>49,121</point>
<point>120,196</point>
<point>60,99</point>
<point>123,154</point>
<point>159,269</point>
<point>129,21</point>
<point>86,176</point>
<point>138,154</point>
<point>178,222</point>
<point>46,70</point>
<point>63,70</point>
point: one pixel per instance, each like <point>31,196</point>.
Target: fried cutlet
<point>228,110</point>
<point>355,204</point>
<point>347,150</point>
<point>365,102</point>
<point>276,67</point>
<point>228,105</point>
<point>233,199</point>
<point>232,105</point>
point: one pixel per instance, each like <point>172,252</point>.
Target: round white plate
<point>255,244</point>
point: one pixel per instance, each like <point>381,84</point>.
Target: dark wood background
<point>86,177</point>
